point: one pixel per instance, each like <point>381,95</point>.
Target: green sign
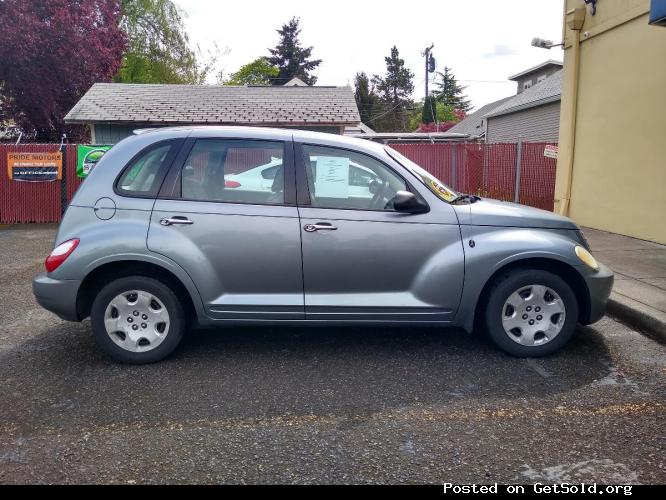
<point>87,157</point>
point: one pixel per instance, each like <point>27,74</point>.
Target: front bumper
<point>57,296</point>
<point>599,285</point>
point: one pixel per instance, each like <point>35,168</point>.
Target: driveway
<point>325,405</point>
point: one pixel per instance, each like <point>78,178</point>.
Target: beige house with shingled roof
<point>114,110</point>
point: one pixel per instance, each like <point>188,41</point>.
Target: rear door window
<point>234,171</point>
<point>143,176</point>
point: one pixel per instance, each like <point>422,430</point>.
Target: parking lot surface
<point>319,405</point>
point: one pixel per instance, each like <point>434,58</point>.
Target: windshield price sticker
<point>442,191</point>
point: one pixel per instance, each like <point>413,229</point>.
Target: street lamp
<point>544,44</point>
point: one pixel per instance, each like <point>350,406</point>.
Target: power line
<point>421,79</point>
<point>385,113</point>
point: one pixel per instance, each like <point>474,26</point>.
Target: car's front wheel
<point>137,319</point>
<point>531,312</point>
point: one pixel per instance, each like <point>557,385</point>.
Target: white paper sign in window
<point>332,179</point>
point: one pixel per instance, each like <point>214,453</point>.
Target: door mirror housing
<point>407,202</point>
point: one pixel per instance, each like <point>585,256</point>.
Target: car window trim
<point>303,197</point>
<point>175,146</point>
<point>173,186</point>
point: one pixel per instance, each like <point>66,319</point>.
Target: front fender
<point>496,247</point>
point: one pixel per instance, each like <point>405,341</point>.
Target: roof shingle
<point>221,104</point>
<point>549,90</point>
<point>474,123</point>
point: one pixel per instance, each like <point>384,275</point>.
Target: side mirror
<point>407,202</point>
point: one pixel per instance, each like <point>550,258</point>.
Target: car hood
<point>487,212</point>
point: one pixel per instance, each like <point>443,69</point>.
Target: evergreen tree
<point>394,91</point>
<point>429,113</point>
<point>450,92</point>
<point>366,99</point>
<point>291,58</point>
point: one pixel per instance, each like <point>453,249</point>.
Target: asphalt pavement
<point>319,405</point>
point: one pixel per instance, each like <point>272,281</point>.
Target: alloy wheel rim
<point>136,321</point>
<point>533,315</point>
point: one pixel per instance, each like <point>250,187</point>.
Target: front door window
<point>343,179</point>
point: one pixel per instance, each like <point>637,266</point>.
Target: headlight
<point>587,258</point>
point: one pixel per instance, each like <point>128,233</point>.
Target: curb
<point>637,316</point>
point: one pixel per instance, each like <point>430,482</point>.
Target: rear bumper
<point>57,296</point>
<point>599,285</point>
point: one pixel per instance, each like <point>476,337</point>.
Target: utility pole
<point>429,65</point>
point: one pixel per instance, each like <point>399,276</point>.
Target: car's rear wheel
<point>137,320</point>
<point>531,312</point>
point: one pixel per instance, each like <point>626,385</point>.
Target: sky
<point>483,41</point>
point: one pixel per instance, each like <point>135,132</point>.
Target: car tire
<point>137,308</point>
<point>521,314</point>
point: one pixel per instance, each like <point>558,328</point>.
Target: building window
<point>527,85</point>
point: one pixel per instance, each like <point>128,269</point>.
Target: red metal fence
<point>35,201</point>
<point>485,169</point>
<point>490,169</point>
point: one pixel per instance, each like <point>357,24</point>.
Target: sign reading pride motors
<point>34,167</point>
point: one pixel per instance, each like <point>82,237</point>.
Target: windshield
<point>433,183</point>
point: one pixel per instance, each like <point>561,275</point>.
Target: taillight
<point>231,184</point>
<point>60,254</point>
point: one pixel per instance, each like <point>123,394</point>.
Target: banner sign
<point>87,157</point>
<point>34,167</point>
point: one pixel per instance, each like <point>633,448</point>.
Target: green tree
<point>450,92</point>
<point>394,91</point>
<point>291,58</point>
<point>429,113</point>
<point>445,116</point>
<point>257,72</point>
<point>366,99</point>
<point>158,49</point>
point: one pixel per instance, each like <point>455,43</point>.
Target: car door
<point>362,260</point>
<point>240,245</point>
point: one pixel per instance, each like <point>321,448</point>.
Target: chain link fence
<point>36,201</point>
<point>513,172</point>
<point>505,171</point>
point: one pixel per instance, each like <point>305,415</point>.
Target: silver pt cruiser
<point>319,229</point>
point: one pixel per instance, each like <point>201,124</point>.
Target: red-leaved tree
<point>51,52</point>
<point>443,126</point>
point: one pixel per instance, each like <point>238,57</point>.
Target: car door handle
<point>175,220</point>
<point>320,226</point>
